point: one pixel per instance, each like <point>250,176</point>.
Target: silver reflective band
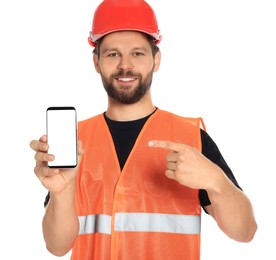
<point>156,222</point>
<point>95,224</point>
<point>141,222</point>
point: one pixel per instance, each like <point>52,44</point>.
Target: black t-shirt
<point>124,135</point>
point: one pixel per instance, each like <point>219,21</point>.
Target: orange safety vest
<point>137,213</point>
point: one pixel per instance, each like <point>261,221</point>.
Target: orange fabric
<point>102,188</point>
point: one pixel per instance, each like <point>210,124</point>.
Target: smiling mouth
<point>128,79</point>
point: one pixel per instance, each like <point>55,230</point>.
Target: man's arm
<point>231,209</point>
<point>60,222</point>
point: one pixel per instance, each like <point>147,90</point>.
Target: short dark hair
<point>153,46</point>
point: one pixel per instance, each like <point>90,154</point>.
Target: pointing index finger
<point>166,145</point>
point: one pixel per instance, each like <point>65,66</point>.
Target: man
<point>144,173</point>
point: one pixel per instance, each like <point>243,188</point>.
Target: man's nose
<point>125,63</point>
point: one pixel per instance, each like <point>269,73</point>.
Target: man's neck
<point>123,112</point>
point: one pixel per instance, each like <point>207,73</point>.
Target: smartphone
<point>61,124</point>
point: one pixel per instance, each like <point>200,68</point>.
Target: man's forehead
<point>125,41</point>
<point>122,36</point>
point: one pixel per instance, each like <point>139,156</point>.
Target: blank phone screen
<point>62,136</point>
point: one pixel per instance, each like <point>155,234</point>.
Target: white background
<point>218,62</point>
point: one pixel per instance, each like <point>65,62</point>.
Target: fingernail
<point>150,143</point>
<point>50,157</point>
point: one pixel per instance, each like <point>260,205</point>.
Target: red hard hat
<point>119,15</point>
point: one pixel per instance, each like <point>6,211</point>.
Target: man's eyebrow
<point>144,49</point>
<point>105,50</point>
<point>141,49</point>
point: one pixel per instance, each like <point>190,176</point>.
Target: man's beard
<point>127,97</point>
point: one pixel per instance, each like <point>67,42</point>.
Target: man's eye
<point>135,54</point>
<point>113,54</point>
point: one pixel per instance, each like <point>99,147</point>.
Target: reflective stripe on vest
<point>95,224</point>
<point>141,222</point>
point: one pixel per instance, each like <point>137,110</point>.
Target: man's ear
<point>96,62</point>
<point>157,61</point>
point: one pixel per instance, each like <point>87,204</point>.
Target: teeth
<point>126,79</point>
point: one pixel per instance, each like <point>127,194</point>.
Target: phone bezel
<point>76,133</point>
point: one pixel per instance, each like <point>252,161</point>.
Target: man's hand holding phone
<point>58,153</point>
<point>53,179</point>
